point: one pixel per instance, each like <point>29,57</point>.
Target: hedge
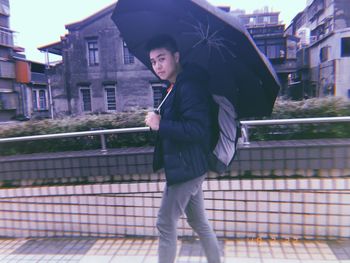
<point>284,109</point>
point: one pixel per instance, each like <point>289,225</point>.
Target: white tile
<point>340,184</point>
<point>281,184</point>
<point>321,208</point>
<point>291,184</point>
<point>328,184</point>
<point>230,205</point>
<point>247,185</point>
<point>152,187</point>
<point>274,207</point>
<point>219,204</point>
<point>345,231</point>
<point>224,185</point>
<point>242,260</point>
<point>235,185</point>
<point>240,205</point>
<point>269,184</point>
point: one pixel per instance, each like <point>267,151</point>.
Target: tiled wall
<point>281,208</point>
<point>295,189</point>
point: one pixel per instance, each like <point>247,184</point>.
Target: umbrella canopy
<point>210,37</point>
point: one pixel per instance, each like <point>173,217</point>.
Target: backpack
<point>225,134</point>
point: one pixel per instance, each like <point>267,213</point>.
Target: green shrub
<point>284,109</point>
<point>75,124</point>
<point>311,108</point>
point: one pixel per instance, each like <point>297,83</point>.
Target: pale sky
<point>41,22</point>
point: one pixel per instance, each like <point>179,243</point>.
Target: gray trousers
<point>178,199</point>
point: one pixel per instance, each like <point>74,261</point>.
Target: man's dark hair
<point>162,41</point>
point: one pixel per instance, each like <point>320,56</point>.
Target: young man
<point>182,148</point>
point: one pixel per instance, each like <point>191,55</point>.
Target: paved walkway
<point>131,250</point>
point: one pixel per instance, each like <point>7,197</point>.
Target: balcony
<point>6,38</point>
<point>7,70</point>
<point>38,78</point>
<point>303,58</point>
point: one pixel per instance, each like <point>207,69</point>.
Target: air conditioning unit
<point>304,34</point>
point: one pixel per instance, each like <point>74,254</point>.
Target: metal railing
<point>101,133</point>
<point>245,125</point>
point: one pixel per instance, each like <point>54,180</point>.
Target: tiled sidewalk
<point>124,250</point>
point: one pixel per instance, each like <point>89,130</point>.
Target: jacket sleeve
<point>194,118</point>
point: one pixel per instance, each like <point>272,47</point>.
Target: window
<point>345,47</point>
<point>324,54</point>
<point>92,47</point>
<point>158,89</point>
<point>274,19</point>
<point>266,19</point>
<point>128,57</point>
<point>39,99</point>
<point>275,48</point>
<point>111,102</point>
<point>291,49</point>
<point>260,20</point>
<point>86,99</point>
<point>275,51</point>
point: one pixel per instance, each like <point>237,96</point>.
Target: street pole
<point>47,62</point>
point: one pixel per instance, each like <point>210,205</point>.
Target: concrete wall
<point>132,81</point>
<point>289,189</point>
<point>334,71</point>
<point>341,14</point>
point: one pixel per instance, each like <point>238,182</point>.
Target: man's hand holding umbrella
<point>152,120</point>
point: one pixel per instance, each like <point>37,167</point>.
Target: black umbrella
<point>210,37</point>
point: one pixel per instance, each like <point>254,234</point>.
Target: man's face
<point>165,63</point>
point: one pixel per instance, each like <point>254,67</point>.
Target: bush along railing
<point>283,110</point>
<point>303,128</point>
<point>89,139</point>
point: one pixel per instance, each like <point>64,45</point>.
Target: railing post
<point>245,134</point>
<point>103,144</point>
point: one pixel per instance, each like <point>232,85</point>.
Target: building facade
<point>324,50</point>
<point>8,97</point>
<point>23,84</point>
<point>98,74</point>
<point>269,35</point>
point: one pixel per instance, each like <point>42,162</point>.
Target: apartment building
<point>269,35</point>
<point>324,50</point>
<point>23,84</point>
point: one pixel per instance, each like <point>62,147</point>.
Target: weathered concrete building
<point>98,73</point>
<point>324,50</point>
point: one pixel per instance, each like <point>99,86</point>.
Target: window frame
<point>37,99</point>
<point>345,47</point>
<point>93,55</point>
<point>128,58</point>
<point>157,89</point>
<point>106,88</point>
<point>324,54</point>
<point>81,96</point>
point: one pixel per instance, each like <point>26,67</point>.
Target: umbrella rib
<point>220,44</point>
<point>213,41</point>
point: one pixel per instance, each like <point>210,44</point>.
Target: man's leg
<point>197,219</point>
<point>174,201</point>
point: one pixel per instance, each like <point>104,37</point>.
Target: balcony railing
<point>38,78</point>
<point>6,38</point>
<point>7,70</point>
